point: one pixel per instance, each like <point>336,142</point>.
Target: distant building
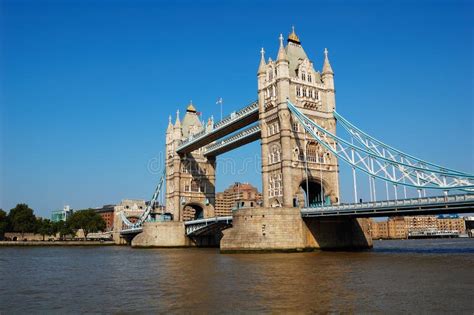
<point>107,213</point>
<point>427,225</point>
<point>61,215</point>
<point>452,223</point>
<point>238,195</point>
<point>469,222</point>
<point>393,228</point>
<point>421,223</point>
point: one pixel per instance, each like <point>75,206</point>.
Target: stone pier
<point>162,234</point>
<point>283,229</point>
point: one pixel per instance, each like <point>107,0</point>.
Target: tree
<point>63,229</point>
<point>45,227</point>
<point>87,220</point>
<point>22,219</point>
<point>3,223</point>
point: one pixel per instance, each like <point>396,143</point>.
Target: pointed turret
<point>326,66</point>
<point>170,125</point>
<point>293,37</point>
<point>263,65</point>
<point>281,51</point>
<point>177,123</point>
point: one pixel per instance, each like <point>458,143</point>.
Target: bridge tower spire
<point>328,80</point>
<point>295,169</point>
<point>190,177</point>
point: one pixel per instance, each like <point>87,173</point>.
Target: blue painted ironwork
<point>386,168</point>
<point>146,214</point>
<point>413,206</point>
<point>240,136</point>
<point>232,118</point>
<point>196,226</point>
<point>377,146</point>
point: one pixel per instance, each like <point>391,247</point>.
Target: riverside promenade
<point>56,243</point>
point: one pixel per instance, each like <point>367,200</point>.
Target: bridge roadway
<point>239,139</point>
<point>226,126</point>
<point>402,207</point>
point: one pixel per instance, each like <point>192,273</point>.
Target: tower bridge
<point>295,120</point>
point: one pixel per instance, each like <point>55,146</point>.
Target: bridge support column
<point>283,229</point>
<point>162,234</point>
<point>339,234</point>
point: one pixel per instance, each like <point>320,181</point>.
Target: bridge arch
<point>193,211</point>
<point>313,192</point>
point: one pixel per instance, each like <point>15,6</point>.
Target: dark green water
<point>417,276</point>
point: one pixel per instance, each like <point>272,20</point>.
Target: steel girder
<point>382,161</point>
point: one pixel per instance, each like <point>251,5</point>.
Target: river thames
<point>421,276</point>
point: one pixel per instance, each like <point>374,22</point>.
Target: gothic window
<point>272,129</point>
<point>304,92</point>
<point>298,91</point>
<point>317,95</point>
<point>296,126</point>
<point>312,152</point>
<point>275,187</point>
<point>303,76</point>
<point>311,93</point>
<point>309,78</point>
<point>275,154</point>
<point>195,186</point>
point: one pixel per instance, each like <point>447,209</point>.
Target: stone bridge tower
<point>296,171</point>
<point>190,178</point>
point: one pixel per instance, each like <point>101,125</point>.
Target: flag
<point>220,101</point>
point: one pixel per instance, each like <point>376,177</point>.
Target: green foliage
<point>45,227</point>
<point>63,229</point>
<point>87,220</point>
<point>3,223</point>
<point>22,219</point>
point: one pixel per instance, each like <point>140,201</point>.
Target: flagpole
<point>220,101</point>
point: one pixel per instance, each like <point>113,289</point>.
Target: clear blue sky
<point>87,86</point>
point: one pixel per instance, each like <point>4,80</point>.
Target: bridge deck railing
<point>234,116</point>
<point>394,203</point>
<point>245,133</point>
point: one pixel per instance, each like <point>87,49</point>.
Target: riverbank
<point>56,243</point>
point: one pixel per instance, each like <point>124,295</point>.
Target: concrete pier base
<point>283,229</point>
<point>162,234</point>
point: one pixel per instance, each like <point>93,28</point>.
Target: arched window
<point>195,186</point>
<point>304,92</point>
<point>298,91</point>
<point>309,78</point>
<point>276,154</point>
<point>303,76</point>
<point>312,151</point>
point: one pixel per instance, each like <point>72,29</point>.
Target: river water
<point>421,276</point>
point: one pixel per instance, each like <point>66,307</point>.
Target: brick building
<point>401,227</point>
<point>238,195</point>
<point>107,213</point>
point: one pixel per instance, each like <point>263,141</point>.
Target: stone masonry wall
<point>162,234</point>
